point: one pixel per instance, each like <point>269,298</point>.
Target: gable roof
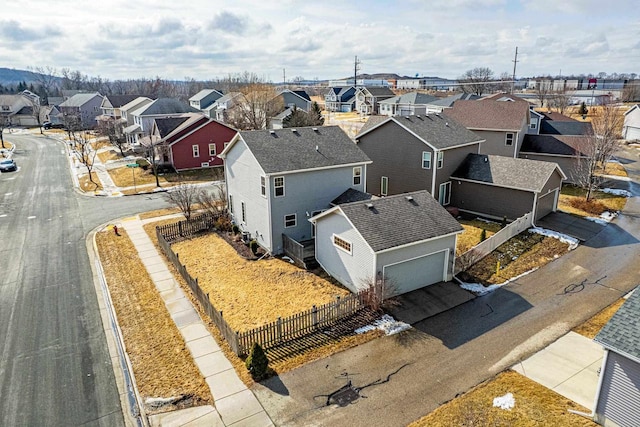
<point>165,106</point>
<point>411,98</point>
<point>450,100</point>
<point>136,102</point>
<point>505,97</point>
<point>25,111</point>
<point>490,114</point>
<point>166,125</point>
<point>351,195</point>
<point>302,94</point>
<point>117,101</point>
<point>553,127</point>
<point>563,145</point>
<point>634,107</point>
<point>203,94</point>
<point>437,130</point>
<point>295,149</point>
<point>378,91</point>
<point>555,116</point>
<point>622,333</point>
<point>399,220</point>
<point>521,174</point>
<point>79,99</point>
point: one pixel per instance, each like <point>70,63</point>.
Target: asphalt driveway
<point>571,225</point>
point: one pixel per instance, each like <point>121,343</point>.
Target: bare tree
<point>256,108</point>
<point>112,130</point>
<point>84,151</point>
<point>214,201</point>
<point>150,142</point>
<point>36,108</point>
<point>631,91</point>
<point>560,100</point>
<point>543,90</point>
<point>46,77</point>
<point>5,122</point>
<point>478,80</point>
<point>377,291</point>
<point>184,197</point>
<point>607,125</point>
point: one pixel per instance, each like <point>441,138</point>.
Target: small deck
<point>302,253</point>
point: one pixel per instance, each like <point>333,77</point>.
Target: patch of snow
<point>616,192</point>
<point>387,324</point>
<point>289,260</point>
<point>504,402</point>
<point>480,289</point>
<point>571,241</point>
<point>596,220</point>
<point>604,218</point>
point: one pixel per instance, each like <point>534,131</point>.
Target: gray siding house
<point>408,241</point>
<point>617,400</point>
<point>340,98</point>
<point>406,105</point>
<point>82,109</point>
<point>498,186</point>
<point>631,126</point>
<point>276,180</point>
<point>203,99</point>
<point>414,153</point>
<point>295,98</point>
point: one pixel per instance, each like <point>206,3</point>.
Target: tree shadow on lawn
<point>474,318</point>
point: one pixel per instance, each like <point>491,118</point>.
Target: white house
<point>631,126</point>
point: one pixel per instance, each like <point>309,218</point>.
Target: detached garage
<point>497,186</point>
<point>407,239</point>
<point>631,126</point>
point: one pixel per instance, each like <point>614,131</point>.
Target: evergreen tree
<point>583,109</point>
<point>257,363</point>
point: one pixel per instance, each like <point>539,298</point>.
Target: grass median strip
<point>162,364</point>
<point>591,327</point>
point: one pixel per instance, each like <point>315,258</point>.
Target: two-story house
<point>129,128</point>
<point>340,98</point>
<point>81,110</point>
<point>368,98</point>
<point>144,116</point>
<point>502,120</point>
<point>411,103</point>
<point>277,179</point>
<point>218,109</point>
<point>204,99</point>
<point>414,153</point>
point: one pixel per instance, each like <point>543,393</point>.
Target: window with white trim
<point>426,160</point>
<point>204,164</point>
<point>290,220</point>
<point>440,159</point>
<point>263,186</point>
<point>509,139</point>
<point>384,185</point>
<point>196,150</point>
<point>534,124</point>
<point>278,186</point>
<point>444,195</point>
<point>212,150</point>
<point>357,175</point>
<point>342,244</point>
<point>244,211</point>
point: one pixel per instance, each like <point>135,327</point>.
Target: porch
<point>302,253</point>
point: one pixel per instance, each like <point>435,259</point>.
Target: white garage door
<point>416,273</point>
<point>632,133</point>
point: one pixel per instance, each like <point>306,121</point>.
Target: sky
<point>209,39</point>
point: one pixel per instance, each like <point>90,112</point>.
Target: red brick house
<point>191,141</point>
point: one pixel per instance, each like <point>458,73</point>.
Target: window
<point>509,139</point>
<point>384,185</point>
<point>263,186</point>
<point>426,160</point>
<point>196,150</point>
<point>440,159</point>
<point>204,164</point>
<point>278,186</point>
<point>534,124</point>
<point>244,211</point>
<point>357,175</point>
<point>212,150</point>
<point>230,203</point>
<point>444,197</point>
<point>342,244</point>
<point>290,220</point>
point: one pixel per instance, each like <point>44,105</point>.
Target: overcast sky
<point>205,39</point>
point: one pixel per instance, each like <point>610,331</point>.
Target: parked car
<point>7,165</point>
<point>49,125</point>
<point>46,125</point>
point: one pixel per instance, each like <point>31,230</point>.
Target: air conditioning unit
<point>246,237</point>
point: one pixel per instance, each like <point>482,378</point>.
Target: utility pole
<point>284,77</point>
<point>356,68</point>
<point>513,78</point>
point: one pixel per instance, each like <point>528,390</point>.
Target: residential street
<point>54,364</point>
<point>400,378</point>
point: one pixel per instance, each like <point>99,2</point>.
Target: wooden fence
<point>272,334</point>
<point>484,248</point>
<point>293,249</point>
<point>188,228</point>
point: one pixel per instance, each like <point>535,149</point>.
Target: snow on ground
<point>603,219</point>
<point>504,402</point>
<point>387,324</point>
<point>616,192</point>
<point>571,241</point>
<point>480,289</point>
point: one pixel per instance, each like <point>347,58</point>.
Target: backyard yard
<point>572,200</point>
<point>472,234</point>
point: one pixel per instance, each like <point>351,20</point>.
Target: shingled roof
<point>411,98</point>
<point>165,106</point>
<point>117,101</point>
<point>562,145</point>
<point>450,100</point>
<point>622,333</point>
<point>351,195</point>
<point>553,127</point>
<point>521,174</point>
<point>490,114</point>
<point>293,149</point>
<point>398,220</point>
<point>438,130</point>
<point>166,125</point>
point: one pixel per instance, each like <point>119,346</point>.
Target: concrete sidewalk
<point>235,404</point>
<point>569,366</point>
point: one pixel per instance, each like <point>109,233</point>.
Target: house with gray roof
<point>111,104</point>
<point>498,186</point>
<point>368,98</point>
<point>219,108</point>
<point>414,153</point>
<point>144,116</point>
<point>617,401</point>
<point>81,110</point>
<point>340,98</point>
<point>408,104</point>
<point>277,179</point>
<point>203,99</point>
<point>406,241</point>
<point>438,105</point>
<point>567,151</point>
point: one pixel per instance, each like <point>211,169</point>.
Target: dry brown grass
<point>535,405</point>
<point>614,169</point>
<point>569,193</point>
<point>160,212</point>
<point>252,293</point>
<point>520,254</point>
<point>162,364</point>
<point>105,156</point>
<point>7,145</point>
<point>591,327</point>
<point>124,176</point>
<point>472,233</point>
<point>87,185</point>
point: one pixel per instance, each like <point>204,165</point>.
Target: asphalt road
<point>397,379</point>
<point>54,364</point>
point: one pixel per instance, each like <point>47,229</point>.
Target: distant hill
<point>10,76</point>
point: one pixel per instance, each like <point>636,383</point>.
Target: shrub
<point>257,363</point>
<point>593,207</point>
<point>583,109</point>
<point>223,224</point>
<point>483,235</point>
<point>235,229</point>
<point>253,245</point>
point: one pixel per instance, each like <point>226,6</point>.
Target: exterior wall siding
<point>619,400</point>
<point>306,192</point>
<point>452,158</point>
<point>211,133</point>
<point>490,200</point>
<point>351,270</point>
<point>290,98</point>
<point>567,164</point>
<point>495,142</point>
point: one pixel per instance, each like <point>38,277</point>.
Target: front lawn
<point>107,155</point>
<point>123,177</point>
<point>572,200</point>
<point>86,184</point>
<point>473,232</point>
<point>535,405</point>
<point>591,327</point>
<point>614,169</point>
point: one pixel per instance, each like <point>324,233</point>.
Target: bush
<point>253,245</point>
<point>143,163</point>
<point>593,207</point>
<point>483,235</point>
<point>257,363</point>
<point>223,224</point>
<point>235,229</point>
<point>583,109</point>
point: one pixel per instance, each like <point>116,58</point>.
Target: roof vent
<point>486,159</point>
<point>369,205</point>
<point>409,198</point>
<point>317,149</point>
<point>294,130</point>
<point>272,132</point>
<point>315,129</point>
<point>446,124</point>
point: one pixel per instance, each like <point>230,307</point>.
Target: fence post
<point>279,330</point>
<point>180,228</point>
<point>338,306</point>
<point>314,316</point>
